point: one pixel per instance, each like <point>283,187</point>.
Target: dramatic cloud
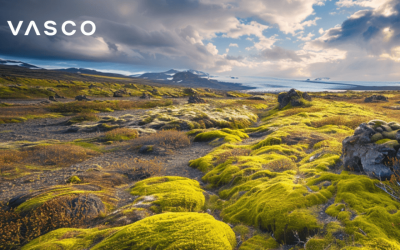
<point>201,34</point>
<point>371,40</point>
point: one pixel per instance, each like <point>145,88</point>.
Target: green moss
<point>277,205</point>
<point>74,179</point>
<point>382,141</point>
<point>171,193</point>
<point>173,231</point>
<point>228,135</point>
<point>372,208</point>
<point>259,242</point>
<point>70,238</point>
<point>270,140</point>
<point>121,135</point>
<point>46,196</point>
<point>390,134</point>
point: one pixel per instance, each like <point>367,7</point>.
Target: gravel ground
<point>175,164</point>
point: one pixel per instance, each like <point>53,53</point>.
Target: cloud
<point>150,32</point>
<point>277,53</point>
<point>184,33</point>
<point>370,38</point>
<point>212,49</point>
<point>363,3</point>
<point>289,15</point>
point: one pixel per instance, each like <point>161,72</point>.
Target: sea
<point>271,84</point>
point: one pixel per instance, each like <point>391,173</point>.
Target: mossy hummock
<point>158,232</point>
<point>171,193</point>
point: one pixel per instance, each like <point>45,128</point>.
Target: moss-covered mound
<point>363,210</point>
<point>277,205</point>
<point>226,135</point>
<point>183,117</point>
<point>259,242</point>
<point>169,194</point>
<point>164,231</point>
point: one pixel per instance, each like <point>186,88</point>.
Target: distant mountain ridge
<point>18,63</point>
<point>168,75</point>
<point>186,78</point>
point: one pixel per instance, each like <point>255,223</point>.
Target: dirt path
<point>175,164</point>
<point>51,128</point>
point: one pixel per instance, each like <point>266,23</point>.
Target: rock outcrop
<point>120,93</point>
<point>196,99</point>
<point>145,96</point>
<point>373,149</point>
<point>52,98</point>
<point>376,98</point>
<point>293,97</point>
<point>81,98</point>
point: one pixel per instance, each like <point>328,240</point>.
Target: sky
<point>348,40</point>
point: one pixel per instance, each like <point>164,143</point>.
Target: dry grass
<point>121,134</point>
<point>17,229</point>
<point>138,169</point>
<point>15,162</point>
<point>350,122</point>
<point>280,165</point>
<point>168,139</point>
<point>223,157</point>
<point>82,117</point>
<point>14,113</point>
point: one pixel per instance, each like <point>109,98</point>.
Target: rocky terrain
<point>190,168</point>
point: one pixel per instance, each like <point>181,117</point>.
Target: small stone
<point>146,149</point>
<point>395,126</point>
<point>52,98</point>
<point>376,137</point>
<point>81,98</point>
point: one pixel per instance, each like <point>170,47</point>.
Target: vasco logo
<point>52,30</point>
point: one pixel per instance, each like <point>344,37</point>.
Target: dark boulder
<point>294,97</point>
<point>81,98</point>
<point>145,96</point>
<point>120,93</point>
<point>196,99</point>
<point>146,149</point>
<point>58,96</point>
<point>52,98</point>
<point>376,98</point>
<point>155,92</point>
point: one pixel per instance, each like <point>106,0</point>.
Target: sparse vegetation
<point>15,163</point>
<point>17,229</point>
<point>105,106</point>
<point>83,117</point>
<point>167,139</point>
<point>138,169</point>
<point>121,134</point>
<point>274,174</point>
